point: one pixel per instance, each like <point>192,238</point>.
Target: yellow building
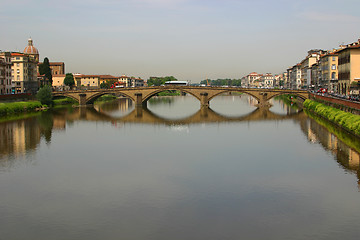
<point>108,78</point>
<point>58,81</point>
<point>24,73</point>
<point>349,66</point>
<point>328,78</point>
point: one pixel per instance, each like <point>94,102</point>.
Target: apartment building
<point>348,67</point>
<point>315,77</point>
<point>252,80</point>
<point>294,77</point>
<point>5,73</point>
<point>312,58</point>
<point>24,73</point>
<point>328,64</point>
<point>267,80</point>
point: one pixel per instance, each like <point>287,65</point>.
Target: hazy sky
<point>189,39</point>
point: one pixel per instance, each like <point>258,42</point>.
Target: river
<point>174,171</point>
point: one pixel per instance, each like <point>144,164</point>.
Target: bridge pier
<point>263,101</point>
<point>204,111</point>
<point>139,100</point>
<point>82,99</point>
<point>204,99</point>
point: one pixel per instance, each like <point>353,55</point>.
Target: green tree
<point>69,80</point>
<point>44,69</point>
<point>158,81</point>
<point>44,95</point>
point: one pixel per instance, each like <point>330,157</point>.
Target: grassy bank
<point>105,98</point>
<point>19,107</point>
<point>345,137</point>
<point>346,120</point>
<point>64,101</point>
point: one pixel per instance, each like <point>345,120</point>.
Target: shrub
<point>44,95</point>
<point>346,120</point>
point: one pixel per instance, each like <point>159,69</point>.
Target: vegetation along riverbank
<point>19,107</point>
<point>347,121</point>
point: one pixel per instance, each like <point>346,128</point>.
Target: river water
<point>174,171</point>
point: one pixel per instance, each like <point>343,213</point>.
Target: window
<point>333,75</point>
<point>333,58</point>
<point>17,71</point>
<point>333,67</point>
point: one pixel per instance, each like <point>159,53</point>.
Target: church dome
<point>30,49</point>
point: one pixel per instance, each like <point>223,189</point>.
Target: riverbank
<point>348,121</point>
<point>20,107</point>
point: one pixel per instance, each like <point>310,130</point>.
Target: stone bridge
<point>141,95</point>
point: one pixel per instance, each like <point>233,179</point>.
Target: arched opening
<point>172,105</point>
<point>64,99</point>
<point>113,104</point>
<point>233,103</point>
<point>286,103</point>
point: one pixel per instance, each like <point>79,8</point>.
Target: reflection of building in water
<point>18,137</point>
<point>59,123</point>
<point>306,128</point>
<point>346,156</point>
<point>252,101</point>
<point>125,104</point>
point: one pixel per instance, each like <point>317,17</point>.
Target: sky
<point>188,39</point>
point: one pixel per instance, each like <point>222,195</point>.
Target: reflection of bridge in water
<point>204,115</point>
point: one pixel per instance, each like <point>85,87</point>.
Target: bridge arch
<point>65,95</point>
<point>289,93</point>
<point>150,95</point>
<point>233,90</point>
<point>95,96</point>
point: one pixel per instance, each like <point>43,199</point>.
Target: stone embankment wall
<point>342,104</point>
<point>16,97</point>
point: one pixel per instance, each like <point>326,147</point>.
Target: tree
<point>69,80</point>
<point>44,69</point>
<point>158,81</point>
<point>44,95</point>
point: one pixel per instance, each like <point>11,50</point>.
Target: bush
<point>348,121</point>
<point>44,95</point>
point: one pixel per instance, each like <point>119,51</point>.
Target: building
<point>137,82</point>
<point>88,81</point>
<point>24,69</point>
<point>31,51</point>
<point>312,58</point>
<point>252,80</point>
<point>348,67</point>
<point>57,68</point>
<point>24,73</point>
<point>125,80</point>
<point>108,78</point>
<point>267,80</point>
<point>280,80</point>
<point>294,77</point>
<point>5,73</point>
<point>315,77</point>
<point>328,77</point>
<point>58,81</point>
